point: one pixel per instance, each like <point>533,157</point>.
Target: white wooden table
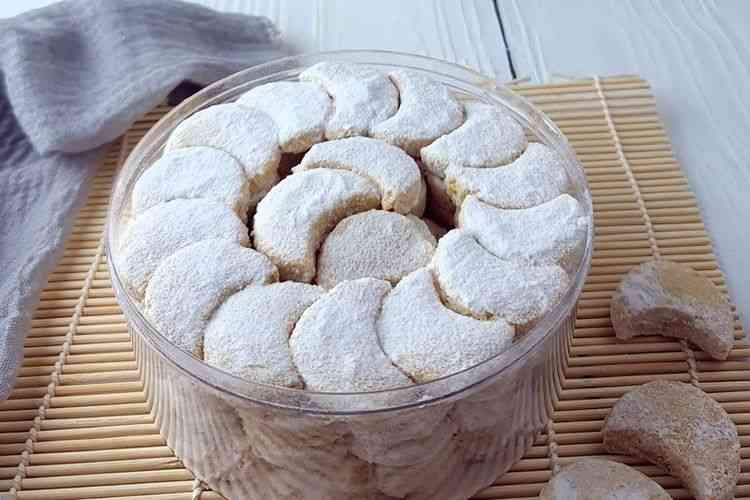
<point>696,55</point>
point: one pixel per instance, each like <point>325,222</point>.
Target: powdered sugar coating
<point>538,175</point>
<point>188,173</point>
<point>374,244</point>
<point>292,220</point>
<point>335,343</point>
<point>427,111</point>
<point>299,110</point>
<point>248,335</point>
<point>487,138</point>
<point>683,430</point>
<point>249,135</point>
<point>551,233</point>
<point>427,340</point>
<point>164,229</point>
<point>362,97</point>
<point>396,173</point>
<point>205,273</point>
<point>475,282</point>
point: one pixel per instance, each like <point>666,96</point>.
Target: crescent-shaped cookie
<point>553,233</point>
<point>299,110</point>
<point>396,173</point>
<point>487,138</point>
<point>374,244</point>
<point>335,343</point>
<point>249,135</point>
<point>681,429</point>
<point>294,217</point>
<point>199,172</point>
<point>427,111</point>
<point>537,176</point>
<point>362,97</point>
<point>596,479</point>
<point>427,340</point>
<point>475,282</point>
<point>666,298</point>
<point>160,231</point>
<point>205,273</point>
<point>248,335</point>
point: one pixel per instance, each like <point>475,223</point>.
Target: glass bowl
<point>444,439</point>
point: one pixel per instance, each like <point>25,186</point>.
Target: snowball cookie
<point>189,173</point>
<point>427,340</point>
<point>299,110</point>
<point>489,137</point>
<point>538,175</point>
<point>551,233</point>
<point>475,282</point>
<point>427,111</point>
<point>249,135</point>
<point>162,230</point>
<point>665,298</point>
<point>190,284</point>
<point>294,217</point>
<point>681,429</point>
<point>596,479</point>
<point>335,344</point>
<point>248,335</point>
<point>395,172</point>
<point>362,97</point>
<point>374,244</point>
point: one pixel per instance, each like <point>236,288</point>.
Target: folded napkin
<point>75,76</point>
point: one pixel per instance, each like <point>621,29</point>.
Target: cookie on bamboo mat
<point>665,298</point>
<point>681,429</point>
<point>596,479</point>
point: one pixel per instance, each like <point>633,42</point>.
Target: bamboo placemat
<point>77,424</point>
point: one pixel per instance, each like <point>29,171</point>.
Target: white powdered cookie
<point>421,198</point>
<point>362,97</point>
<point>487,138</point>
<point>335,343</point>
<point>396,173</point>
<point>475,282</point>
<point>427,340</point>
<point>188,173</point>
<point>551,233</point>
<point>248,335</point>
<point>427,111</point>
<point>249,135</point>
<point>299,110</point>
<point>374,244</point>
<point>190,284</point>
<point>162,230</point>
<point>292,220</point>
<point>596,479</point>
<point>683,430</point>
<point>538,175</point>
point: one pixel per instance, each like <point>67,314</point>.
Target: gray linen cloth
<point>76,75</point>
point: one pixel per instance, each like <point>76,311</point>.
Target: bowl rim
<point>346,403</point>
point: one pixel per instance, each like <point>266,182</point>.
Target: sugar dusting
<point>362,97</point>
<point>487,138</point>
<point>298,109</point>
<point>396,173</point>
<point>205,273</point>
<point>374,244</point>
<point>427,111</point>
<point>335,343</point>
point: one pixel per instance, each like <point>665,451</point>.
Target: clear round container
<point>444,439</point>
